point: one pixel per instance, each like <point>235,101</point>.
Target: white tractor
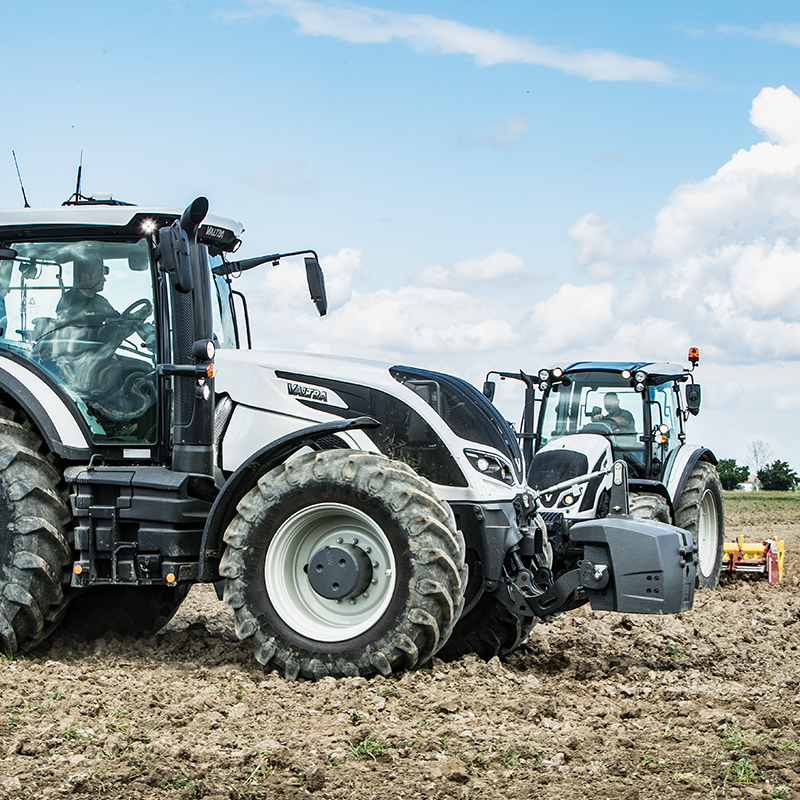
<point>593,412</point>
<point>358,518</point>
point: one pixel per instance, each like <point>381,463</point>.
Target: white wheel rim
<point>707,533</point>
<point>292,596</point>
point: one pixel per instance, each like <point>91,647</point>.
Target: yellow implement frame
<point>766,558</point>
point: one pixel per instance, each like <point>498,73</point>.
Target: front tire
<point>699,510</point>
<point>34,551</point>
<point>401,557</point>
<point>645,505</point>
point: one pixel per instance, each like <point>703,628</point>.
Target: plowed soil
<point>705,704</point>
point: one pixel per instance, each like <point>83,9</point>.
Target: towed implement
<point>765,558</point>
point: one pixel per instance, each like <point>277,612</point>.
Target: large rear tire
<point>402,561</point>
<point>699,510</point>
<point>35,555</point>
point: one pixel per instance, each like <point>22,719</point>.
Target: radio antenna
<point>27,204</point>
<point>78,184</point>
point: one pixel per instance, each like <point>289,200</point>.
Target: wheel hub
<point>340,571</point>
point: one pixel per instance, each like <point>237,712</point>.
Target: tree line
<point>777,476</point>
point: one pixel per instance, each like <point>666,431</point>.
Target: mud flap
<point>636,566</point>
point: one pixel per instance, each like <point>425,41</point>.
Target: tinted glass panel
<point>84,312</point>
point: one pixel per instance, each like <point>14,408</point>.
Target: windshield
<point>465,410</point>
<point>83,311</point>
<point>596,402</point>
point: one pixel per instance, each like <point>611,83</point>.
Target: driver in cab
<point>83,305</point>
<point>619,420</point>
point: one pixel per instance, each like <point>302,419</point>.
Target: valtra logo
<point>309,392</point>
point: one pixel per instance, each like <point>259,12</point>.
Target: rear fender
<point>47,405</point>
<point>248,475</point>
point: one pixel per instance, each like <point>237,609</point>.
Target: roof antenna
<point>27,204</point>
<point>78,184</point>
<point>77,196</point>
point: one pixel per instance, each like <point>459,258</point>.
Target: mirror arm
<point>230,267</point>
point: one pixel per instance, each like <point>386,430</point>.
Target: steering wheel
<point>139,310</point>
<point>116,330</point>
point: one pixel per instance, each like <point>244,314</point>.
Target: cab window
<point>83,311</point>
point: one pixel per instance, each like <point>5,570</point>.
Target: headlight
<point>640,376</point>
<point>571,498</point>
<point>544,374</point>
<point>491,466</point>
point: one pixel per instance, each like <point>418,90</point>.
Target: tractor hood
<point>564,459</point>
<point>431,413</point>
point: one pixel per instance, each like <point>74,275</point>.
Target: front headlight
<point>572,497</point>
<point>492,466</point>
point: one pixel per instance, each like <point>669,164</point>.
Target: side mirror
<point>693,398</point>
<point>316,285</point>
<point>488,390</point>
<point>173,245</point>
<point>173,250</point>
<point>6,254</point>
<point>137,260</point>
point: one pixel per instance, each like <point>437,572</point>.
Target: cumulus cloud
<point>500,267</point>
<point>365,25</point>
<point>599,249</point>
<point>724,252</point>
<point>719,270</point>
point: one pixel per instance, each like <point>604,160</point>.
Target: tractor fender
<point>47,405</point>
<point>247,476</point>
<point>681,464</point>
<point>650,487</point>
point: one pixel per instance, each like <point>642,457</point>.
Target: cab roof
<point>85,219</point>
<point>662,369</point>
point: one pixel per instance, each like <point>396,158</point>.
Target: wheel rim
<point>707,533</point>
<point>288,587</point>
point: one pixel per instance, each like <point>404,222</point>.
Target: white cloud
<point>574,316</point>
<point>598,248</point>
<point>787,33</point>
<point>365,25</point>
<point>500,267</point>
<point>720,270</point>
<point>723,258</point>
<point>410,323</point>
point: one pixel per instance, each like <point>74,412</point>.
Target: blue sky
<point>491,186</point>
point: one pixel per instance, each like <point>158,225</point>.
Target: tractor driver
<point>620,420</point>
<point>119,391</point>
<point>82,305</point>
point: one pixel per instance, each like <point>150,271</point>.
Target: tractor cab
<point>638,408</point>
